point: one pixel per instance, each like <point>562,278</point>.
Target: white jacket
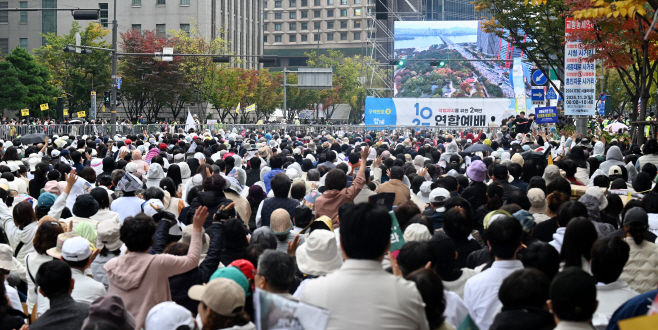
<point>641,270</point>
<point>106,214</point>
<point>610,297</point>
<point>17,235</point>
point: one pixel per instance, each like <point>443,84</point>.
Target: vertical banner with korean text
<point>519,85</point>
<point>579,73</point>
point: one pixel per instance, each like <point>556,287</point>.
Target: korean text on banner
<point>25,112</point>
<point>519,85</point>
<point>450,112</point>
<point>579,73</point>
<point>81,114</point>
<point>546,115</point>
<point>44,106</point>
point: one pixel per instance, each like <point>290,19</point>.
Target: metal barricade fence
<point>13,131</point>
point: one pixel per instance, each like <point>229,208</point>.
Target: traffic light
<point>119,97</point>
<point>442,64</point>
<point>221,59</point>
<point>106,99</point>
<point>396,62</point>
<point>85,15</point>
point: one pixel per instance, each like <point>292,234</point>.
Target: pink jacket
<point>331,200</point>
<point>142,279</point>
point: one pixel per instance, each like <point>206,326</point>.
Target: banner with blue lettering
<point>453,112</point>
<point>546,115</point>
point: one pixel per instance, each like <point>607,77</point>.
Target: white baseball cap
<point>76,249</point>
<point>169,315</point>
<point>439,195</point>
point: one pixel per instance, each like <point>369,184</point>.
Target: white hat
<point>97,165</point>
<point>54,153</point>
<point>13,167</point>
<point>417,232</point>
<point>169,315</point>
<point>33,161</point>
<point>537,199</point>
<point>439,195</point>
<point>108,235</point>
<point>424,192</point>
<point>131,167</point>
<point>6,257</point>
<point>319,255</point>
<point>149,210</point>
<point>76,249</point>
<point>199,156</point>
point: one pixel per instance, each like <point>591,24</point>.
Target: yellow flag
<point>550,159</point>
<point>237,108</point>
<point>44,106</point>
<point>25,112</point>
<point>251,107</point>
<point>66,112</point>
<point>260,122</point>
<point>81,114</point>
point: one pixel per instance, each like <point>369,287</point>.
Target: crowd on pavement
<point>519,226</point>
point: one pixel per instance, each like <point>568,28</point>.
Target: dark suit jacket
<point>64,314</point>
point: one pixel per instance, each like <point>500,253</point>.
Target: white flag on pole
<point>189,123</point>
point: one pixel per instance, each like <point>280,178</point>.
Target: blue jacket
<point>268,176</point>
<point>435,216</point>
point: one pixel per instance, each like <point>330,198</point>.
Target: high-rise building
<point>294,27</point>
<point>237,21</point>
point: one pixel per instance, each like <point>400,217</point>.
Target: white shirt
<point>127,206</point>
<point>34,260</point>
<point>85,290</point>
<point>14,300</point>
<point>481,291</point>
<point>361,295</point>
<point>610,297</point>
<point>455,311</point>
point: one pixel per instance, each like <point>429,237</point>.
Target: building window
<point>160,30</point>
<point>292,26</point>
<point>330,37</point>
<point>316,37</point>
<point>137,3</point>
<point>317,14</point>
<point>343,2</point>
<point>330,2</point>
<point>330,25</point>
<point>343,13</point>
<point>304,3</point>
<point>292,4</point>
<point>264,16</point>
<point>304,38</point>
<point>277,16</point>
<point>264,38</point>
<point>265,4</point>
<point>292,38</point>
<point>304,26</point>
<point>277,27</point>
<point>316,3</point>
<point>277,4</point>
<point>103,14</point>
<point>160,2</point>
<point>264,26</point>
<point>137,27</point>
<point>357,11</point>
<point>4,15</point>
<point>293,15</point>
<point>24,43</point>
<point>357,35</point>
<point>357,24</point>
<point>185,28</point>
<point>23,13</point>
<point>343,36</point>
<point>305,14</point>
<point>330,13</point>
<point>49,19</point>
<point>357,2</point>
<point>277,38</point>
<point>343,25</point>
<point>316,26</point>
<point>4,45</point>
<point>184,2</point>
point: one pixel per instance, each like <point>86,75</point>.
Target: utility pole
<point>285,94</point>
<point>113,97</point>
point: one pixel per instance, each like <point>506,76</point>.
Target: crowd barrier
<point>13,131</point>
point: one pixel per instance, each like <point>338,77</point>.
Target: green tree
<point>268,93</point>
<point>76,75</point>
<point>34,77</point>
<point>12,91</point>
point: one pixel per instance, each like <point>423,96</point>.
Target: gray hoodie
<point>594,215</point>
<point>612,157</point>
<point>451,149</point>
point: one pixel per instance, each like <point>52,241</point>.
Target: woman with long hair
<point>39,180</point>
<point>255,197</point>
<point>44,239</point>
<point>431,290</point>
<point>578,240</point>
<point>495,194</point>
<point>10,318</point>
<point>174,172</point>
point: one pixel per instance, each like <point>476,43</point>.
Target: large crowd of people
<point>521,227</point>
